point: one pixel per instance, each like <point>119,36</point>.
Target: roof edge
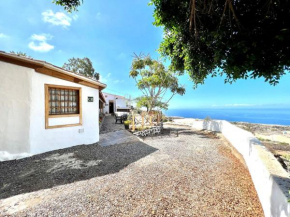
<point>50,69</point>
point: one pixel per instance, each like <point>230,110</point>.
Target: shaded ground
<point>192,174</point>
<point>109,125</point>
<point>66,166</point>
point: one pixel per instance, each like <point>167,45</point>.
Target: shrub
<point>128,122</point>
<point>207,118</point>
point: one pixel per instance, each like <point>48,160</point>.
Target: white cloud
<point>39,43</point>
<point>2,35</point>
<point>42,37</point>
<point>238,105</point>
<point>103,79</point>
<point>233,105</point>
<point>118,81</point>
<point>41,46</point>
<point>57,19</point>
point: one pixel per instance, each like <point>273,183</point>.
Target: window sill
<point>60,126</point>
<point>63,116</point>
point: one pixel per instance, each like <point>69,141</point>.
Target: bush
<point>128,122</point>
<point>140,128</point>
<point>207,118</point>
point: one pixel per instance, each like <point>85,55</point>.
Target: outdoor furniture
<point>121,117</point>
<point>125,116</point>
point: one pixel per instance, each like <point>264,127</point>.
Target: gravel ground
<point>67,166</point>
<point>194,174</point>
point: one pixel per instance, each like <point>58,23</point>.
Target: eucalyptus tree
<point>158,84</point>
<point>144,101</point>
<point>82,66</point>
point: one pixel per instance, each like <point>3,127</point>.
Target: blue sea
<point>278,116</point>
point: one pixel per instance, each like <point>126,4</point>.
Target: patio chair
<point>125,117</point>
<point>119,118</point>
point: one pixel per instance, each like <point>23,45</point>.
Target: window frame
<point>47,115</point>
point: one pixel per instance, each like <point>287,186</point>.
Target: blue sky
<point>109,32</point>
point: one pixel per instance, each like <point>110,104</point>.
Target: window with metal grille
<point>63,101</point>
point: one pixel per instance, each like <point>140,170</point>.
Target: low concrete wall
<point>271,181</point>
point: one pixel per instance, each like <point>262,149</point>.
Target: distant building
<point>115,103</point>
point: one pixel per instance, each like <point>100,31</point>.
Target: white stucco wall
<point>15,102</point>
<point>108,98</point>
<point>119,102</point>
<point>270,179</point>
<point>42,139</point>
<point>63,121</point>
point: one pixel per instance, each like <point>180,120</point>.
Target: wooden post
<point>133,123</point>
<point>158,118</point>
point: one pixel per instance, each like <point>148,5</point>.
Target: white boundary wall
<point>270,179</point>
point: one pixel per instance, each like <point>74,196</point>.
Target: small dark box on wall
<point>90,99</point>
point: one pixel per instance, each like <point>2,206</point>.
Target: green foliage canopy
<point>81,66</point>
<point>145,101</point>
<point>154,80</point>
<point>69,5</point>
<point>237,38</point>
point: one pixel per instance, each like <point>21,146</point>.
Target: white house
<point>44,107</point>
<point>116,103</point>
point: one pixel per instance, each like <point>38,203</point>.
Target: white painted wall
<point>108,98</point>
<point>63,121</point>
<point>270,179</point>
<point>42,139</point>
<point>22,116</point>
<point>15,101</point>
<point>119,102</point>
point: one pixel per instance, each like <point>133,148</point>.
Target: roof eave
<point>51,70</point>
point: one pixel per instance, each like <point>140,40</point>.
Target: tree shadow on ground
<point>67,166</point>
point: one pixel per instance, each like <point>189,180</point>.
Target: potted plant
<point>127,124</point>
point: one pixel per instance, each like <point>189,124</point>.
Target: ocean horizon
<point>276,116</point>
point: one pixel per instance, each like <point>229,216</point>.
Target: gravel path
<point>110,125</point>
<point>194,174</point>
